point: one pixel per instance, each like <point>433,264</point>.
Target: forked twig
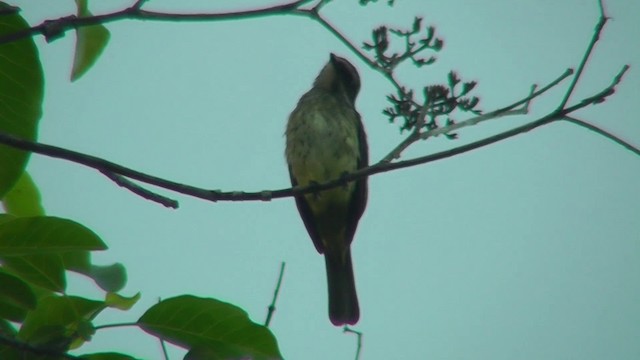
<point>276,292</point>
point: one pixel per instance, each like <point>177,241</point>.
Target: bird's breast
<point>322,145</point>
<point>323,148</point>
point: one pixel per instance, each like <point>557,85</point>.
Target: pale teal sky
<point>526,249</point>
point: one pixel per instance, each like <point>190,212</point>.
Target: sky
<point>525,249</point>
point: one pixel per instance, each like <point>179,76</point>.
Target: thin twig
<point>602,132</point>
<point>359,336</point>
<point>594,39</point>
<point>601,96</point>
<point>138,4</point>
<point>52,29</point>
<point>116,325</point>
<point>508,110</point>
<point>316,8</point>
<point>372,64</point>
<point>163,345</point>
<point>165,352</point>
<point>272,307</point>
<point>139,190</point>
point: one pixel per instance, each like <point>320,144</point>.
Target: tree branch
<point>53,29</point>
<point>380,167</point>
<point>594,39</point>
<point>359,337</point>
<point>272,307</point>
<point>140,191</point>
<point>509,110</point>
<point>603,132</point>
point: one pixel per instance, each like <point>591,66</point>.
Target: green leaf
<point>78,261</point>
<point>44,234</point>
<point>53,337</point>
<point>106,356</point>
<point>21,95</point>
<point>45,270</point>
<point>59,320</point>
<point>6,217</point>
<point>90,42</point>
<point>206,353</point>
<point>118,301</point>
<point>84,332</point>
<point>24,198</point>
<point>12,313</point>
<point>211,326</point>
<point>110,278</point>
<point>15,291</point>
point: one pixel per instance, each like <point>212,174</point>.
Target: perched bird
<point>326,140</point>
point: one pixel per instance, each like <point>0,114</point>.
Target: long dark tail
<point>343,301</point>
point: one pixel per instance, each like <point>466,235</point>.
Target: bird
<point>325,140</point>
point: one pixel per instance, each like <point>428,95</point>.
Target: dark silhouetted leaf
<point>52,337</point>
<point>12,312</point>
<point>59,319</point>
<point>106,356</point>
<point>16,292</point>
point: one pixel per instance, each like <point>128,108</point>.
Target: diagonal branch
<point>602,132</point>
<point>594,39</point>
<point>556,115</point>
<point>505,111</point>
<point>139,190</point>
<point>102,165</point>
<point>216,195</point>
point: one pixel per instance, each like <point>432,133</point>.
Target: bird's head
<point>339,77</point>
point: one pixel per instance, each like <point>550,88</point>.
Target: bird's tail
<point>343,301</point>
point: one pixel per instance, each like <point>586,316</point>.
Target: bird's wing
<point>359,196</point>
<point>307,216</point>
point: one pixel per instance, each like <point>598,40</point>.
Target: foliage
<point>38,318</point>
<point>438,100</point>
